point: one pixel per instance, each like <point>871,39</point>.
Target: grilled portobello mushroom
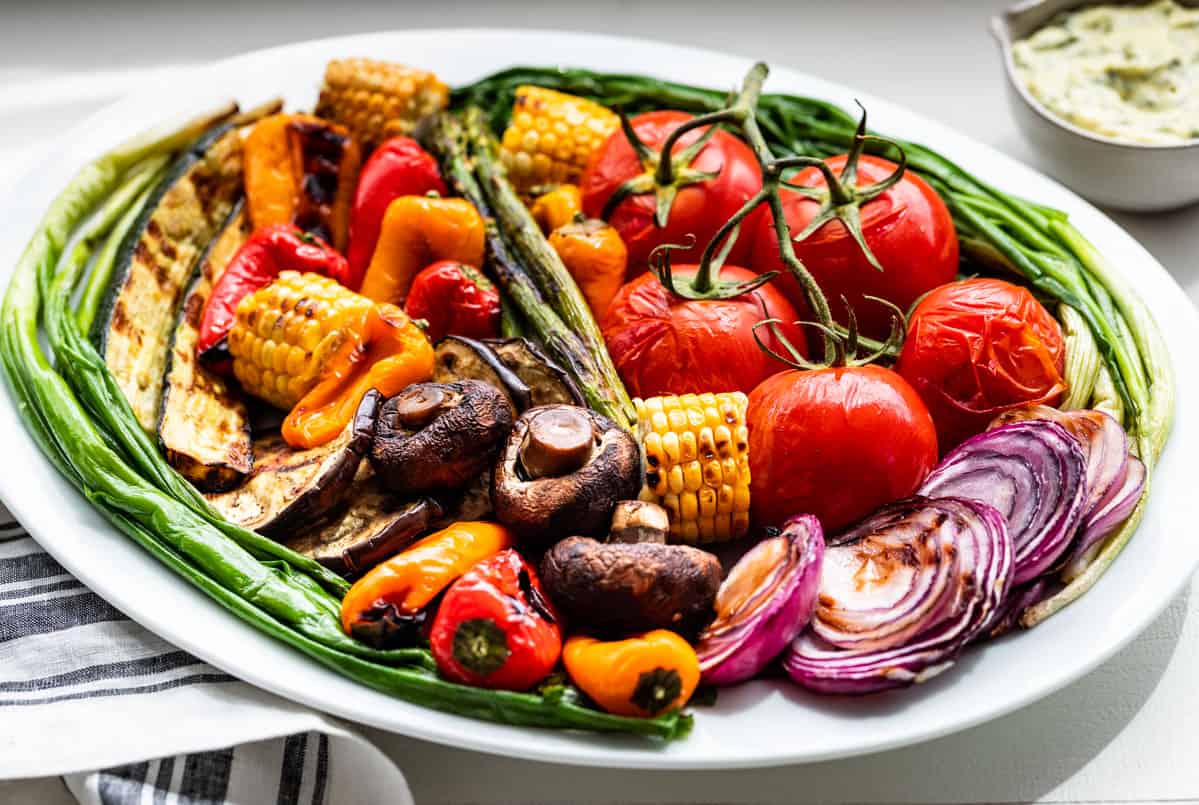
<point>203,427</point>
<point>155,262</point>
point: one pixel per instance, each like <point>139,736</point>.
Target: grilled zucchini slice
<point>204,427</point>
<point>155,262</point>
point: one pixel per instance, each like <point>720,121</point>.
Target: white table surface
<point>1122,734</point>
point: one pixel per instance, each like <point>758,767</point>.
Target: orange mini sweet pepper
<point>417,231</point>
<point>382,602</point>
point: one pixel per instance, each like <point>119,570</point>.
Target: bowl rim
<point>1001,29</point>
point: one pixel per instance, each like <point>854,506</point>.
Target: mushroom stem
<point>558,442</point>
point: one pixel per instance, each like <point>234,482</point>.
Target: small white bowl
<point>1126,176</point>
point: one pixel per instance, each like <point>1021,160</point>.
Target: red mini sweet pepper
<point>269,250</point>
<point>495,628</point>
<point>455,299</point>
<point>398,167</point>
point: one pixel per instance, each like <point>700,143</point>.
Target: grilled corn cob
<point>551,137</point>
<point>286,332</point>
<point>697,463</point>
<point>377,99</point>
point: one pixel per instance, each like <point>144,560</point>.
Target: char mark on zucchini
<point>204,425</point>
<point>289,490</point>
<point>155,262</point>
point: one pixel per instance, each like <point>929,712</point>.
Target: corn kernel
<point>697,464</point>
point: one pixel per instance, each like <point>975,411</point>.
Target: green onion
<point>100,458</point>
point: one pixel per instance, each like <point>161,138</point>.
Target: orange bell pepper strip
<point>386,352</point>
<point>417,231</point>
<point>272,189</point>
<point>406,583</point>
<point>301,170</point>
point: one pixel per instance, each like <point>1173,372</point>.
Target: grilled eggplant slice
<point>204,427</point>
<point>548,384</point>
<point>290,491</point>
<point>459,358</point>
<point>373,527</point>
<point>155,262</point>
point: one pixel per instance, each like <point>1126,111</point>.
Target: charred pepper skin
<point>406,584</point>
<point>494,627</point>
<point>454,298</point>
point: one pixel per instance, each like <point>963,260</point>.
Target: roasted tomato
<point>664,344</point>
<point>907,227</point>
<point>979,347</point>
<point>702,204</point>
<point>837,443</point>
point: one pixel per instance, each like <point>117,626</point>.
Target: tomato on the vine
<point>707,187</point>
<point>907,227</point>
<point>837,443</point>
<point>979,347</point>
<point>663,343</point>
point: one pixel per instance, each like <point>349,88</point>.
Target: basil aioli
<point>1129,72</point>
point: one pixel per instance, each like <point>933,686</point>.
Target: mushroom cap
<point>438,436</point>
<point>622,588</point>
<point>541,511</point>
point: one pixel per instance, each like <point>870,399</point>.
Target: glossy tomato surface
<point>978,347</point>
<point>698,210</point>
<point>664,344</point>
<point>908,228</point>
<point>836,443</point>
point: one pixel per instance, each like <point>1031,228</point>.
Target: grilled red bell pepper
<point>269,250</point>
<point>495,628</point>
<point>398,167</point>
<point>455,299</point>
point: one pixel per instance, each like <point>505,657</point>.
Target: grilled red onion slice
<point>1033,472</point>
<point>984,567</point>
<point>1018,599</point>
<point>763,603</point>
<point>888,579</point>
<point>1104,447</point>
<point>1106,518</point>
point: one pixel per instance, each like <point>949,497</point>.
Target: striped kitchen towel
<point>127,718</point>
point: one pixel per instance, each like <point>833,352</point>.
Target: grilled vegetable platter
<point>567,399</point>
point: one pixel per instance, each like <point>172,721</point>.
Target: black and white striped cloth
<point>127,718</point>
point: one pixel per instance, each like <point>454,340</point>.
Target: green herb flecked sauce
<point>1127,72</point>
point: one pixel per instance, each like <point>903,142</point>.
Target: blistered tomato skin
<point>836,443</point>
<point>977,348</point>
<point>697,211</point>
<point>908,228</point>
<point>663,344</point>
